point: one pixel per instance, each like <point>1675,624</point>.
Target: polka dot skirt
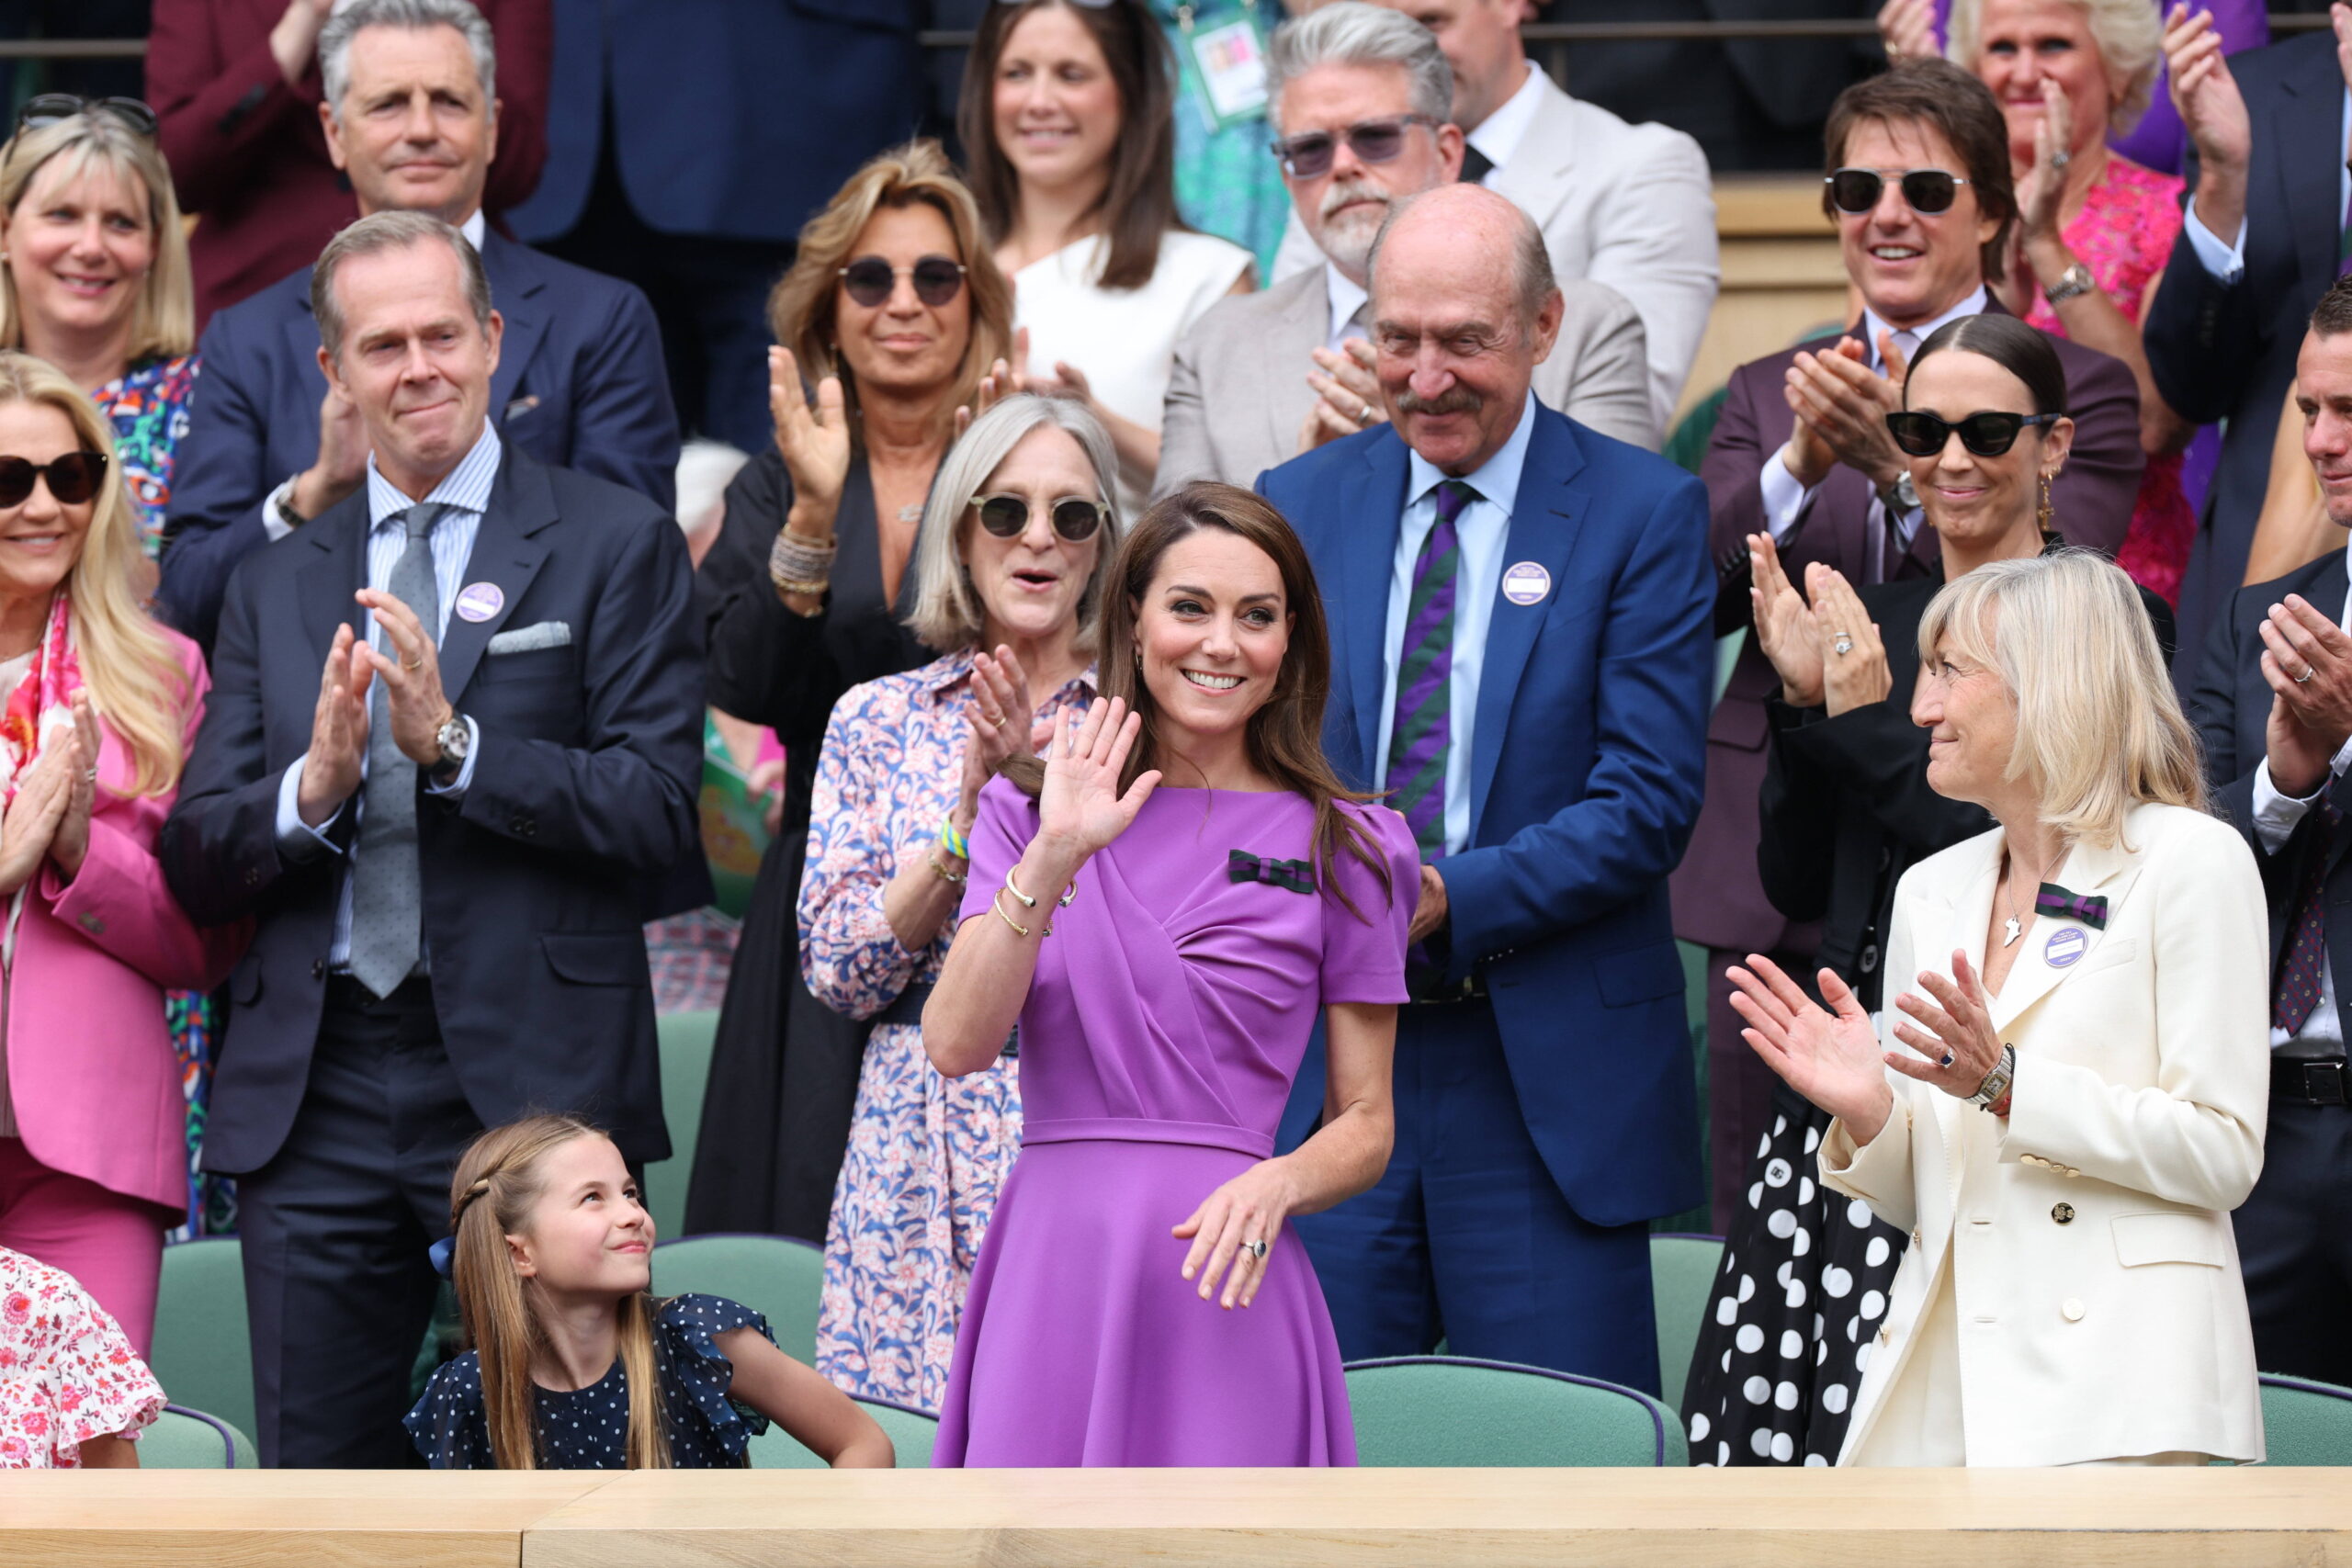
<point>1794,1312</point>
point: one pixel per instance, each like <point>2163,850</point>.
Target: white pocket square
<point>527,640</point>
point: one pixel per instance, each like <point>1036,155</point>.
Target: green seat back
<point>1686,443</point>
<point>910,1431</point>
<point>202,1355</point>
<point>190,1440</point>
<point>777,1277</point>
<point>1431,1410</point>
<point>685,1073</point>
<point>2305,1422</point>
<point>1682,1268</point>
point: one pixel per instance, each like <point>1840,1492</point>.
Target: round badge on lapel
<point>2066,944</point>
<point>479,601</point>
<point>1526,583</point>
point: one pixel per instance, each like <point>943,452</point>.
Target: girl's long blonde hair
<point>133,675</point>
<point>490,1198</point>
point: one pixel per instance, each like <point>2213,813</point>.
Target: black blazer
<point>2231,707</point>
<point>1846,809</point>
<point>578,825</point>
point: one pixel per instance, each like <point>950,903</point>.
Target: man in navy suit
<point>411,119</point>
<point>1543,591</point>
<point>448,767</point>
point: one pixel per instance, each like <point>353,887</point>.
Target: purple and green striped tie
<point>1422,733</point>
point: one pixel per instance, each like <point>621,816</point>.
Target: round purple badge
<point>2066,944</point>
<point>1526,583</point>
<point>479,601</point>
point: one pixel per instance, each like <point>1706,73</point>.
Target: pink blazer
<point>91,1074</point>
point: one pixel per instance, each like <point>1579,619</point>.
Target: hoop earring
<point>2042,518</point>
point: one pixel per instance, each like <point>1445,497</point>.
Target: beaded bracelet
<point>945,874</point>
<point>954,842</point>
<point>798,566</point>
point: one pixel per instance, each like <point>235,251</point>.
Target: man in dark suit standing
<point>1829,485</point>
<point>270,445</point>
<point>448,834</point>
<point>2273,704</point>
<point>1545,590</point>
<point>2262,237</point>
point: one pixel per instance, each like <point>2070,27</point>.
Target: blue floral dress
<point>927,1155</point>
<point>588,1429</point>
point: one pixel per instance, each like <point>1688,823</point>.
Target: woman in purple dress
<point>1162,904</point>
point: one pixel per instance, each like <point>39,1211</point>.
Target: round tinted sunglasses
<point>870,280</point>
<point>1928,190</point>
<point>48,108</point>
<point>1987,435</point>
<point>73,479</point>
<point>1075,518</point>
<point>1308,155</point>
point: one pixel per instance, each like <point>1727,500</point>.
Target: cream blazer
<point>2100,1309</point>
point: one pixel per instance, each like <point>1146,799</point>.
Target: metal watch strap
<point>1996,1082</point>
<point>2075,279</point>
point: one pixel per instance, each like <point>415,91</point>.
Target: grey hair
<point>1531,282</point>
<point>2130,34</point>
<point>1353,33</point>
<point>947,613</point>
<point>410,15</point>
<point>390,232</point>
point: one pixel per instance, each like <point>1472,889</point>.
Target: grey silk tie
<point>387,918</point>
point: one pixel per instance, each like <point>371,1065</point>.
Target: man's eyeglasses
<point>1928,190</point>
<point>870,279</point>
<point>1988,434</point>
<point>48,108</point>
<point>1308,155</point>
<point>73,479</point>
<point>1074,518</point>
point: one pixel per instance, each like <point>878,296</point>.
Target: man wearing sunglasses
<point>449,764</point>
<point>411,119</point>
<point>1629,206</point>
<point>1918,185</point>
<point>1359,98</point>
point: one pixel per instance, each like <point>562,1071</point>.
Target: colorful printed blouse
<point>149,407</point>
<point>67,1372</point>
<point>892,768</point>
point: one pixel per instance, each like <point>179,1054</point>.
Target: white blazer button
<point>2071,1309</point>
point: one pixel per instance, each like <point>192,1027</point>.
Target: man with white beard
<point>1362,98</point>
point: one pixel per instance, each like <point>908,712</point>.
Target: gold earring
<point>2042,518</point>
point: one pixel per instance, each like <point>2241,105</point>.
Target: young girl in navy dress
<point>550,1250</point>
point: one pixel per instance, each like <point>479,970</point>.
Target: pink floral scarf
<point>42,703</point>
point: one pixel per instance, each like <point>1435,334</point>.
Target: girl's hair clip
<point>443,1253</point>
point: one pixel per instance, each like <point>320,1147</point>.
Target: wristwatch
<point>456,738</point>
<point>1996,1082</point>
<point>2075,279</point>
<point>283,497</point>
<point>1902,497</point>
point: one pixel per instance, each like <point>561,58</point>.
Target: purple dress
<point>1169,1010</point>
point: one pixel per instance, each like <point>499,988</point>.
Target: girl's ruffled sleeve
<point>99,1386</point>
<point>700,1374</point>
<point>448,1426</point>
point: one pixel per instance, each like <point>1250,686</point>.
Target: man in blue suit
<point>1520,610</point>
<point>448,765</point>
<point>411,116</point>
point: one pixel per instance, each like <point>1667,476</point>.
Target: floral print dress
<point>927,1155</point>
<point>67,1372</point>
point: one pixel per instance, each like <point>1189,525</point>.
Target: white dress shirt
<point>2276,817</point>
<point>1483,529</point>
<point>464,495</point>
<point>2227,262</point>
<point>272,522</point>
<point>1499,134</point>
<point>1351,308</point>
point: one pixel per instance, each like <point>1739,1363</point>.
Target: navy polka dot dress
<point>588,1429</point>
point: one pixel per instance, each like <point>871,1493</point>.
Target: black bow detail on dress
<point>1297,875</point>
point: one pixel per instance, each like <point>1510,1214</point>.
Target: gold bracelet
<point>1028,903</point>
<point>941,872</point>
<point>997,904</point>
<point>806,590</point>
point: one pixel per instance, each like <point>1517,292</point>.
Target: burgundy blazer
<point>1718,896</point>
<point>247,153</point>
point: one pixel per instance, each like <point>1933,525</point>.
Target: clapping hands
<point>1829,653</point>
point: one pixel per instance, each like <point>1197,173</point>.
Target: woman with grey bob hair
<point>1015,550</point>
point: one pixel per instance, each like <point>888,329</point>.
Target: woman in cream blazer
<point>2065,1110</point>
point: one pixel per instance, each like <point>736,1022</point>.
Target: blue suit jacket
<point>579,384</point>
<point>732,119</point>
<point>579,823</point>
<point>1588,758</point>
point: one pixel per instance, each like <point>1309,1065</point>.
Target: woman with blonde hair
<point>889,319</point>
<point>101,705</point>
<point>94,278</point>
<point>2063,1120</point>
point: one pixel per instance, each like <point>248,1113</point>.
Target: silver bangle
<point>797,566</point>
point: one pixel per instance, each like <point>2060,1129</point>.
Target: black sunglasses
<point>1928,190</point>
<point>48,108</point>
<point>870,280</point>
<point>1988,434</point>
<point>1308,155</point>
<point>73,479</point>
<point>1075,518</point>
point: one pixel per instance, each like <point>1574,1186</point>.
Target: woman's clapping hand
<point>1784,625</point>
<point>1002,723</point>
<point>1858,676</point>
<point>1830,1057</point>
<point>813,440</point>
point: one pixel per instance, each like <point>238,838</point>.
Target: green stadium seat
<point>2306,1423</point>
<point>779,1277</point>
<point>1682,1270</point>
<point>686,1039</point>
<point>190,1440</point>
<point>911,1433</point>
<point>1446,1412</point>
<point>202,1355</point>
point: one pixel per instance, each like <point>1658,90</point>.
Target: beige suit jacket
<point>1238,393</point>
<point>2101,1312</point>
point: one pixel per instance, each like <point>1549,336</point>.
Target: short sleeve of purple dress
<point>1170,1011</point>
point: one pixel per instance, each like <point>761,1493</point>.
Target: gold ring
<point>416,663</point>
<point>1365,417</point>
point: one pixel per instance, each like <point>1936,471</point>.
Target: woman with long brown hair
<point>1163,905</point>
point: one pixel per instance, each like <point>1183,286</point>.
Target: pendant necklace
<point>2013,926</point>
